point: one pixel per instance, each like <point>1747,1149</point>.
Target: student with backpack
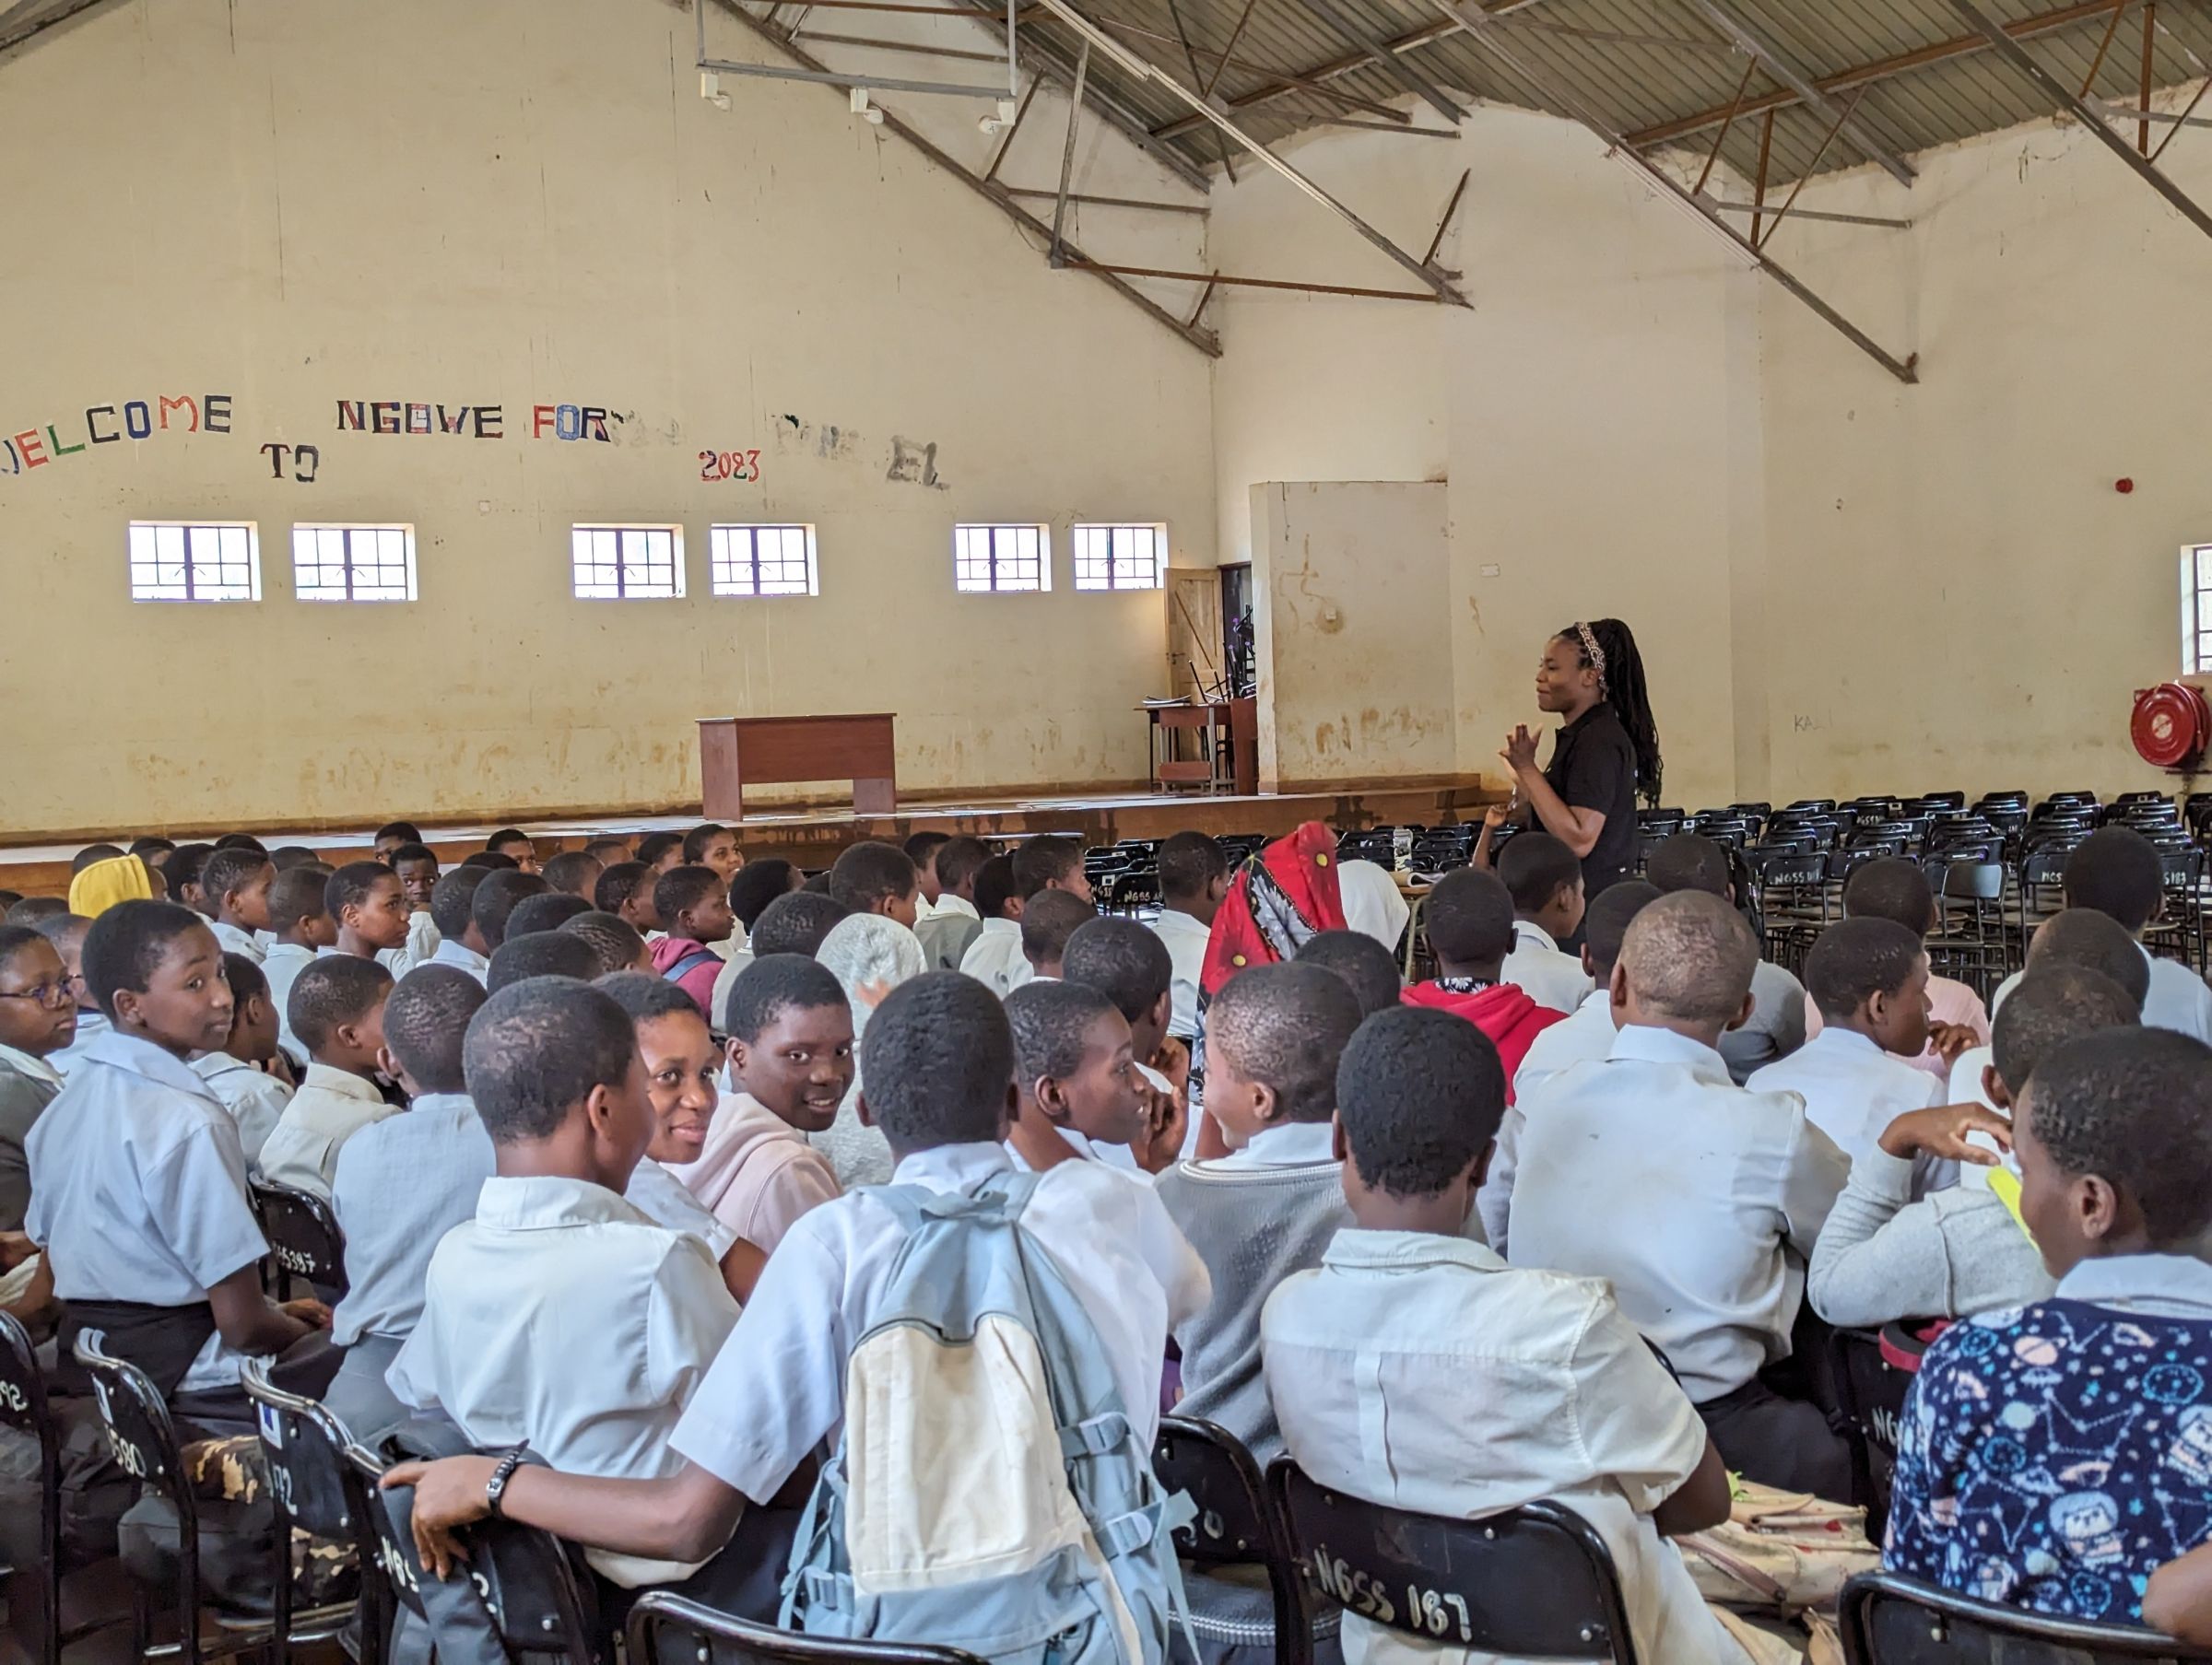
<point>967,1519</point>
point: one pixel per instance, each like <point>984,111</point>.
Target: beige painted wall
<point>1352,632</point>
<point>525,202</point>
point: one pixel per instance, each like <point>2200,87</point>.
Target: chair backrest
<point>305,1448</point>
<point>304,1235</point>
<point>144,1441</point>
<point>392,1564</point>
<point>1464,1583</point>
<point>662,1626</point>
<point>1236,1522</point>
<point>23,1407</point>
<point>1967,878</point>
<point>1890,1619</point>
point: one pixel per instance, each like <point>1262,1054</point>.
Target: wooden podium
<point>738,752</point>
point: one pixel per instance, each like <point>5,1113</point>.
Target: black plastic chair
<point>1536,1582</point>
<point>315,1489</point>
<point>1889,1620</point>
<point>1236,1526</point>
<point>304,1238</point>
<point>1871,1386</point>
<point>144,1441</point>
<point>669,1627</point>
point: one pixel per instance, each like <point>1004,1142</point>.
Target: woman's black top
<point>1594,767</point>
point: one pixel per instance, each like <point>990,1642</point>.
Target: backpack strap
<point>690,962</point>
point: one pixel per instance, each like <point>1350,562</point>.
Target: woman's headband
<point>1595,654</point>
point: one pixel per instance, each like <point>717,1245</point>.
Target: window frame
<point>962,558</point>
<point>722,567</point>
<point>2196,609</point>
<point>188,563</point>
<point>1156,530</point>
<point>316,593</point>
<point>619,566</point>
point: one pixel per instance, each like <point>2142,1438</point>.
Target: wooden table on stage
<point>738,752</point>
<point>1229,736</point>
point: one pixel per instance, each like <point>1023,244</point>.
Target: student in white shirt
<point>1776,1026</point>
<point>303,929</point>
<point>616,944</point>
<point>799,922</point>
<point>244,1072</point>
<point>2116,872</point>
<point>1584,1038</point>
<point>1130,966</point>
<point>1415,1368</point>
<point>1869,978</point>
<point>683,1082</point>
<point>236,884</point>
<point>940,1058</point>
<point>66,932</point>
<point>1894,888</point>
<point>338,1011</point>
<point>1699,1199</point>
<point>453,905</point>
<point>138,1187</point>
<point>1882,1256</point>
<point>1193,882</point>
<point>995,958</point>
<point>2079,937</point>
<point>542,953</point>
<point>874,877</point>
<point>501,891</point>
<point>575,873</point>
<point>922,850</point>
<point>625,889</point>
<point>869,955</point>
<point>370,907</point>
<point>952,923</point>
<point>1048,920</point>
<point>37,1017</point>
<point>562,1316</point>
<point>416,866</point>
<point>1545,879</point>
<point>1080,1098</point>
<point>1269,1208</point>
<point>401,1185</point>
<point>756,885</point>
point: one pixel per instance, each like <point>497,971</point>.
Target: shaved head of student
<point>1685,965</point>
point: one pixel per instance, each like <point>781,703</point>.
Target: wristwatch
<point>496,1488</point>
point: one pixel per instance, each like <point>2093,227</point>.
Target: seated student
<point>181,874</point>
<point>608,848</point>
<point>1047,922</point>
<point>660,851</point>
<point>1470,923</point>
<point>337,1012</point>
<point>35,910</point>
<point>922,850</point>
<point>874,877</point>
<point>1193,882</point>
<point>870,955</point>
<point>952,924</point>
<point>694,905</point>
<point>1415,1368</point>
<point>1370,968</point>
<point>1585,1036</point>
<point>796,923</point>
<point>711,844</point>
<point>2079,936</point>
<point>300,923</point>
<point>1080,1094</point>
<point>618,946</point>
<point>2117,872</point>
<point>391,835</point>
<point>562,1316</point>
<point>1776,1027</point>
<point>67,932</point>
<point>495,900</point>
<point>1274,1037</point>
<point>682,1079</point>
<point>516,845</point>
<point>1895,888</point>
<point>1699,1199</point>
<point>243,1070</point>
<point>401,1185</point>
<point>370,908</point>
<point>453,907</point>
<point>415,865</point>
<point>1882,1256</point>
<point>37,1017</point>
<point>154,852</point>
<point>995,958</point>
<point>286,857</point>
<point>91,853</point>
<point>625,890</point>
<point>2052,1457</point>
<point>1869,978</point>
<point>940,1058</point>
<point>237,882</point>
<point>491,862</point>
<point>541,953</point>
<point>547,910</point>
<point>139,1188</point>
<point>575,873</point>
<point>1545,879</point>
<point>756,884</point>
<point>1130,966</point>
<point>790,1058</point>
<point>123,879</point>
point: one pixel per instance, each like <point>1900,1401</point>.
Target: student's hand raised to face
<point>1950,1039</point>
<point>449,1494</point>
<point>1942,1132</point>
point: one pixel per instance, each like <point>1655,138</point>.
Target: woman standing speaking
<point>1607,753</point>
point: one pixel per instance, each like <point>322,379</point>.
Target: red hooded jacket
<point>1504,1012</point>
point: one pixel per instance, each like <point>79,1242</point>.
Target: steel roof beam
<point>1790,75</point>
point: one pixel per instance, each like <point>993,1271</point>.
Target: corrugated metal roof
<point>1643,65</point>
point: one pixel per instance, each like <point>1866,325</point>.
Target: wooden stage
<point>812,836</point>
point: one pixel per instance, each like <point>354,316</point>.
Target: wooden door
<point>1193,601</point>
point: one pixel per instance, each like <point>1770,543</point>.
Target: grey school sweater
<point>1883,1257</point>
<point>1253,1227</point>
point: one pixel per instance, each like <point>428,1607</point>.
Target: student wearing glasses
<point>37,1017</point>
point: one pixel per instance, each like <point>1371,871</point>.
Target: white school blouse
<point>237,939</point>
<point>1544,972</point>
<point>1186,938</point>
<point>1852,1091</point>
<point>2179,999</point>
<point>401,1185</point>
<point>995,957</point>
<point>1585,1036</point>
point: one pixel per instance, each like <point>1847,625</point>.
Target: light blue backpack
<point>988,1492</point>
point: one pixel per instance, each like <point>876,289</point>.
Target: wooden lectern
<point>738,752</point>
